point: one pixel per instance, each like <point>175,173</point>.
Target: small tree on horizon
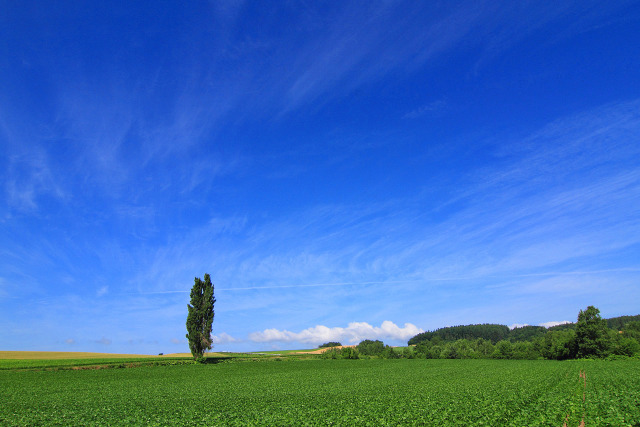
<point>200,317</point>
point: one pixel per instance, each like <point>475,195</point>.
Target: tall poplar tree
<point>200,317</point>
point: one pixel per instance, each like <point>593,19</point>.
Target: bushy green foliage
<point>483,348</point>
<point>370,348</point>
<point>340,353</point>
<point>558,345</point>
<point>200,317</point>
<point>525,350</point>
<point>330,354</point>
<point>503,350</point>
<point>460,349</point>
<point>342,392</point>
<point>408,353</point>
<point>349,353</point>
<point>623,345</point>
<point>389,353</point>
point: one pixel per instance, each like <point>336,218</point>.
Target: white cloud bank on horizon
<point>353,333</point>
<point>552,324</point>
<point>518,325</point>
<point>545,324</point>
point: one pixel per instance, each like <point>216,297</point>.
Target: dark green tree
<point>592,335</point>
<point>389,353</point>
<point>200,317</point>
<point>349,353</point>
<point>558,344</point>
<point>370,348</point>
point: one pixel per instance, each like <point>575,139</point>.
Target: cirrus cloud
<point>354,332</point>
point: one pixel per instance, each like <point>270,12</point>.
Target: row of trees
<point>365,348</point>
<point>590,337</point>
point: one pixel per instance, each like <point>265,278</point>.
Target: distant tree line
<point>590,337</point>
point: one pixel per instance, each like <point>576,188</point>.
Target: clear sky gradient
<point>343,170</point>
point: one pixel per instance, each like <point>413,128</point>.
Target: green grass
<point>329,392</point>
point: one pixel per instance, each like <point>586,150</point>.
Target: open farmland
<point>325,392</point>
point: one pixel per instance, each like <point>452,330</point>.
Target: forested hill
<point>616,323</point>
<point>495,333</point>
<point>491,332</point>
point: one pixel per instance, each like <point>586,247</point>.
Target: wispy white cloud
<point>350,47</point>
<point>28,178</point>
<point>353,333</point>
<point>358,48</point>
<point>504,25</point>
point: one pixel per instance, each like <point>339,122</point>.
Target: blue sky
<point>343,170</point>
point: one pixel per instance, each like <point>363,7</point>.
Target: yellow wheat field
<point>59,355</point>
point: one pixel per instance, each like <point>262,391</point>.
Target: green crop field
<point>329,392</point>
